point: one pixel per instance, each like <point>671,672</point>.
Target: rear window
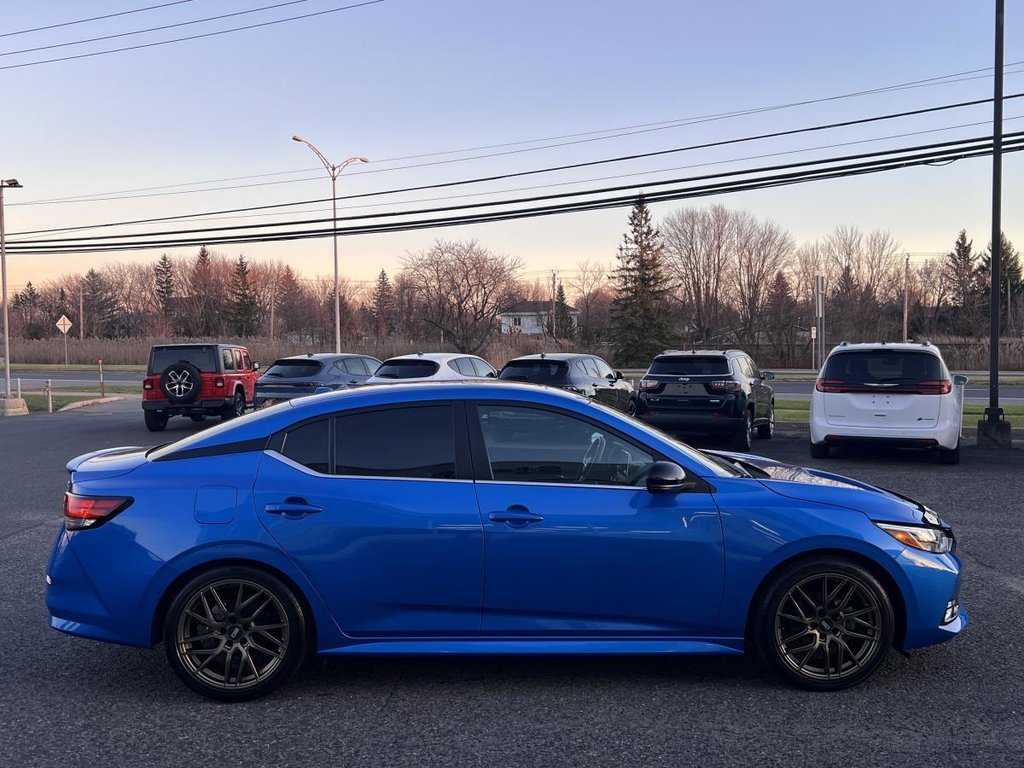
<point>203,358</point>
<point>883,366</point>
<point>536,371</point>
<point>406,369</point>
<point>690,366</point>
<point>294,369</point>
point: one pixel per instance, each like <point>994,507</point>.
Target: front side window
<point>239,365</point>
<point>533,445</point>
<point>462,365</point>
<point>246,361</point>
<point>416,442</point>
<point>482,368</point>
<point>354,365</point>
<point>229,360</point>
<point>603,369</point>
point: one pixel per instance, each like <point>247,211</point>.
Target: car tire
<point>234,408</point>
<point>155,421</point>
<point>180,383</point>
<point>222,652</point>
<point>742,439</point>
<point>824,624</point>
<point>631,407</point>
<point>767,431</point>
<point>198,417</point>
<point>951,455</point>
<point>820,450</point>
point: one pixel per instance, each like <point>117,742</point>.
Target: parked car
<point>900,394</point>
<point>584,374</point>
<point>303,374</point>
<point>367,521</point>
<point>432,366</point>
<point>197,380</point>
<point>708,393</point>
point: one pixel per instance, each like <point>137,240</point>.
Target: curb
<point>97,401</point>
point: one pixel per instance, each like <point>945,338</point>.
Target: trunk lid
<point>109,462</point>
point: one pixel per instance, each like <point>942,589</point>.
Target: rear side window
<point>203,358</point>
<point>536,371</point>
<point>294,369</point>
<point>354,365</point>
<point>407,369</point>
<point>883,367</point>
<point>462,365</point>
<point>694,365</point>
<point>309,445</point>
<point>402,442</point>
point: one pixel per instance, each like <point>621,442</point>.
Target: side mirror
<point>618,375</point>
<point>767,375</point>
<point>667,477</point>
<point>959,380</point>
<point>255,366</point>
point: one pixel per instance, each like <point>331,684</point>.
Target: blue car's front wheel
<point>825,624</point>
<point>235,633</point>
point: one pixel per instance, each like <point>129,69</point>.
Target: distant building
<point>532,318</point>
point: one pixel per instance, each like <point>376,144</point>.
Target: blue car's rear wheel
<point>825,624</point>
<point>235,634</point>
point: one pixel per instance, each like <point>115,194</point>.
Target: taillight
<point>830,385</point>
<point>90,511</point>
<point>147,384</point>
<point>219,381</point>
<point>649,384</point>
<point>937,387</point>
<point>725,385</point>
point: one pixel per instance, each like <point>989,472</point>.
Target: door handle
<point>516,516</point>
<point>291,508</point>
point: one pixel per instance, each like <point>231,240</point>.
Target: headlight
<point>919,537</point>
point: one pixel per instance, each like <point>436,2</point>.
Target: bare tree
<point>591,295</point>
<point>462,287</point>
<point>763,250</point>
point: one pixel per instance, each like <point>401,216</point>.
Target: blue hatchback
<point>486,517</point>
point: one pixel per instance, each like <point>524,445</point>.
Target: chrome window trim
<point>303,468</point>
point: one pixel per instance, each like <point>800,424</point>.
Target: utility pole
<point>553,312</point>
<point>81,310</point>
<point>906,295</point>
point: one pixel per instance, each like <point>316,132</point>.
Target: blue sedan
<point>486,517</point>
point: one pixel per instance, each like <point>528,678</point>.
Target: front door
<point>575,544</point>
<point>388,529</point>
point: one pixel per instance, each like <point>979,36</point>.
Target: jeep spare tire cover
<point>180,382</point>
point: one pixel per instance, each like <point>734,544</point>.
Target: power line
<point>93,18</point>
<point>874,164</point>
<point>151,29</point>
<point>191,37</point>
<point>615,133</point>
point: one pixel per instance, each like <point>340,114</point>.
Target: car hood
<point>820,487</point>
<point>110,462</point>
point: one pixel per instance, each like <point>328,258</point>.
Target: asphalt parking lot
<point>77,702</point>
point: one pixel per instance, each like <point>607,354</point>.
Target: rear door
<point>882,388</point>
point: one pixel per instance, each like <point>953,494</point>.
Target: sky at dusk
<point>434,91</point>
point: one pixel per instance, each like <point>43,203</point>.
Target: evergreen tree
<point>243,307</point>
<point>960,270</point>
<point>100,306</point>
<point>1011,283</point>
<point>205,297</point>
<point>641,319</point>
<point>383,307</point>
<point>27,303</point>
<point>164,274</point>
<point>563,320</point>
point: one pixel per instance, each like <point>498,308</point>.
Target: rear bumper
<point>691,423</point>
<point>948,437</point>
<point>198,406</point>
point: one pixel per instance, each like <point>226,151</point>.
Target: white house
<point>532,318</point>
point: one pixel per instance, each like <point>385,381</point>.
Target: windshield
<point>294,369</point>
<point>691,365</point>
<point>406,369</point>
<point>883,366</point>
<point>204,358</point>
<point>536,371</point>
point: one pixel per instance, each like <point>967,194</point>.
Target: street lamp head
<point>363,160</point>
<point>296,137</point>
<point>10,183</point>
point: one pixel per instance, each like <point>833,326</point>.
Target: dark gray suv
<point>708,393</point>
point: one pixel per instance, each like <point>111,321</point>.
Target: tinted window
<point>228,359</point>
<point>530,445</point>
<point>407,369</point>
<point>404,442</point>
<point>203,358</point>
<point>238,360</point>
<point>603,369</point>
<point>354,365</point>
<point>482,367</point>
<point>883,366</point>
<point>309,446</point>
<point>371,363</point>
<point>246,361</point>
<point>462,365</point>
<point>690,366</point>
<point>294,369</point>
<point>536,371</point>
<point>755,372</point>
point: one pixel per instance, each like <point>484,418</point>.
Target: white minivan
<point>902,394</point>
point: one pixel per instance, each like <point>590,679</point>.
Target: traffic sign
<point>64,324</point>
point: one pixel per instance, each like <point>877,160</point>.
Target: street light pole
<point>334,171</point>
<point>13,183</point>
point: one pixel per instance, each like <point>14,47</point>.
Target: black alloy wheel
<point>743,438</point>
<point>825,624</point>
<point>180,383</point>
<point>767,431</point>
<point>155,421</point>
<point>235,634</point>
<point>234,408</point>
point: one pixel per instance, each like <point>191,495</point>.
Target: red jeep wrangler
<point>197,380</point>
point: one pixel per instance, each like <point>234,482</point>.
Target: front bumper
<point>934,583</point>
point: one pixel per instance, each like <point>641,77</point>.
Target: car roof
<point>437,357</point>
<point>323,356</point>
<point>899,346</point>
<point>557,356</point>
<point>702,352</point>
